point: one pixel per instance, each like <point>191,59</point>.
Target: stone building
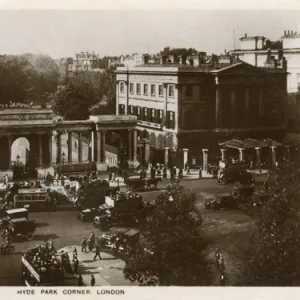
<point>255,50</point>
<point>195,106</point>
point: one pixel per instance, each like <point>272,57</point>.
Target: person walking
<point>97,252</point>
<point>164,173</point>
<point>93,281</point>
<point>200,173</point>
<point>76,264</point>
<point>188,170</point>
<point>80,280</point>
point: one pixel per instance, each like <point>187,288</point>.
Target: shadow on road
<point>88,270</point>
<point>45,237</point>
<point>39,225</point>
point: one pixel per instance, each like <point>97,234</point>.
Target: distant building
<point>256,50</point>
<point>196,105</point>
<point>63,67</point>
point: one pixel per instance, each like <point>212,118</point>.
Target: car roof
<point>17,210</point>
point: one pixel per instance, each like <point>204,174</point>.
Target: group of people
<point>90,244</point>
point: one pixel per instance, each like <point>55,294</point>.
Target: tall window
<point>189,91</point>
<point>138,88</point>
<point>122,87</point>
<point>160,90</point>
<point>170,120</point>
<point>171,91</point>
<point>153,115</point>
<point>146,114</point>
<point>153,90</point>
<point>145,89</point>
<point>131,88</point>
<point>139,112</point>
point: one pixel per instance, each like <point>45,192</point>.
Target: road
<point>227,228</point>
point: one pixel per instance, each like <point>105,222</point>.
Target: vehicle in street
<point>11,214</point>
<point>141,185</point>
<point>90,213</point>
<point>32,197</point>
<point>221,201</point>
<point>41,270</point>
<point>232,175</point>
<point>19,227</point>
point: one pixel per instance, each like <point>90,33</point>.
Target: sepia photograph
<point>149,148</point>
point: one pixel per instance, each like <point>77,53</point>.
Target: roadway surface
<point>227,228</point>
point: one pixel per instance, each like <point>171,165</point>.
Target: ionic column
<point>79,147</point>
<point>127,97</point>
<point>205,159</point>
<point>242,152</point>
<point>165,104</point>
<point>90,147</point>
<point>129,144</point>
<point>218,108</point>
<point>40,145</point>
<point>185,156</point>
<point>58,144</point>
<point>134,145</point>
<point>167,157</point>
<point>50,149</point>
<point>273,148</point>
<point>223,154</point>
<point>103,147</point>
<point>9,151</point>
<point>98,148</point>
<point>93,145</point>
<point>258,157</point>
<point>117,99</point>
<point>70,150</point>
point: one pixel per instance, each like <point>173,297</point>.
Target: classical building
<point>44,134</point>
<point>255,50</point>
<point>192,107</point>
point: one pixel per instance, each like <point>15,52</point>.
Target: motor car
<point>90,213</point>
<point>221,201</point>
<point>236,175</point>
<point>11,214</point>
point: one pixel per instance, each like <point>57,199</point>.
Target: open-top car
<point>20,227</point>
<point>90,213</point>
<point>221,201</point>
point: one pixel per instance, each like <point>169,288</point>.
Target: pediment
<point>240,68</point>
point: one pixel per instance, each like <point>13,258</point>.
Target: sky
<point>62,33</point>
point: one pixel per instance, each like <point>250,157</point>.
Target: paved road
<point>66,230</point>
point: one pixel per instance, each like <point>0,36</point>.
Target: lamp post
<point>63,161</point>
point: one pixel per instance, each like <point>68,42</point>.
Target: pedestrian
<point>76,263</point>
<point>222,279</point>
<point>180,173</point>
<point>91,245</point>
<point>93,281</point>
<point>92,236</point>
<point>97,252</point>
<point>74,253</point>
<point>188,170</point>
<point>6,180</point>
<point>75,144</point>
<point>200,173</point>
<point>164,173</point>
<point>80,280</point>
<point>185,166</point>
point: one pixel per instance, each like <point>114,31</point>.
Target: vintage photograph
<point>149,147</point>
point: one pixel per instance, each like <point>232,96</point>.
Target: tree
<point>272,256</point>
<point>171,250</point>
<point>16,78</point>
<point>74,100</point>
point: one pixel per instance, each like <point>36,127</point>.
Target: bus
<point>31,198</point>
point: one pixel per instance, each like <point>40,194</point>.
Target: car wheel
<point>30,236</point>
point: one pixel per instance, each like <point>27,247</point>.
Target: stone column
<point>287,153</point>
<point>167,157</point>
<point>9,151</point>
<point>79,147</point>
<point>134,145</point>
<point>273,148</point>
<point>258,157</point>
<point>98,148</point>
<point>205,159</point>
<point>70,150</point>
<point>185,156</point>
<point>58,143</point>
<point>130,145</point>
<point>103,147</point>
<point>40,145</point>
<point>233,107</point>
<point>223,154</point>
<point>165,104</point>
<point>117,99</point>
<point>90,147</point>
<point>50,148</point>
<point>93,145</point>
<point>242,152</point>
<point>127,97</point>
<point>218,108</point>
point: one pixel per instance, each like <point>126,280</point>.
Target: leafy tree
<point>272,256</point>
<point>16,78</point>
<point>171,250</point>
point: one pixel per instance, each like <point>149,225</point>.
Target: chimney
<point>182,59</point>
<point>291,32</point>
<point>172,58</point>
<point>288,32</point>
<point>284,33</point>
<point>245,35</point>
<point>197,60</point>
<point>145,59</point>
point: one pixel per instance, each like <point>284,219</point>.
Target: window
<point>139,112</point>
<point>160,90</point>
<point>171,91</point>
<point>145,114</point>
<point>161,115</point>
<point>138,88</point>
<point>153,115</point>
<point>131,88</point>
<point>121,109</point>
<point>145,89</point>
<point>189,91</point>
<point>170,120</point>
<point>122,87</point>
<point>153,90</point>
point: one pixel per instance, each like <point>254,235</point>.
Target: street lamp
<point>63,160</point>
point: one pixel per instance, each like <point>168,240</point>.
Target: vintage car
<point>140,185</point>
<point>13,214</point>
<point>221,201</point>
<point>90,213</point>
<point>233,175</point>
<point>20,227</point>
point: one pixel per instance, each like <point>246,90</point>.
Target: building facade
<point>195,107</point>
<point>255,50</point>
